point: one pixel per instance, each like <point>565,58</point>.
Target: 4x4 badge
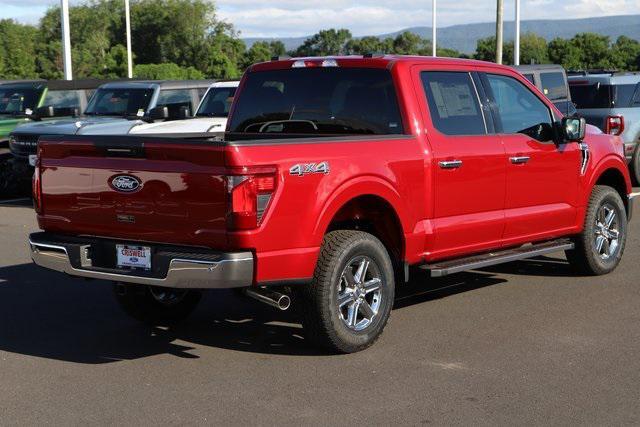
<point>307,168</point>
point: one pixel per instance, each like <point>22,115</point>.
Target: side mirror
<point>574,129</point>
<point>159,113</point>
<point>44,112</point>
<point>184,113</point>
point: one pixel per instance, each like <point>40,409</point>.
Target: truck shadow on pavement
<point>48,315</point>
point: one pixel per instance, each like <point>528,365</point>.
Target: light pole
<point>499,32</point>
<point>66,39</point>
<point>516,43</point>
<point>434,31</point>
<point>127,19</point>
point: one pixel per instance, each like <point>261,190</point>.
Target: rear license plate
<point>33,158</point>
<point>134,256</point>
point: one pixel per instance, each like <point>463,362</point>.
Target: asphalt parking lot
<point>524,343</point>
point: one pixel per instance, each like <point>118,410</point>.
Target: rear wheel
<point>156,305</point>
<point>600,247</point>
<point>348,304</point>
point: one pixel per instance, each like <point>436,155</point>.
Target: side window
<point>453,103</point>
<point>554,86</point>
<point>519,110</point>
<point>62,98</point>
<point>174,99</point>
<point>530,78</point>
<point>624,95</point>
<point>636,98</point>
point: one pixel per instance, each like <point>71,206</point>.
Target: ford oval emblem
<point>125,183</point>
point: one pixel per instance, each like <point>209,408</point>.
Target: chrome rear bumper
<point>226,270</point>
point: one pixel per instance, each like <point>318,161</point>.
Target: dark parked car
<point>552,81</point>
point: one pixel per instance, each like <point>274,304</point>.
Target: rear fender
<point>360,186</point>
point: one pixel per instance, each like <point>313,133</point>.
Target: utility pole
<point>434,33</point>
<point>66,39</point>
<point>127,19</point>
<point>516,44</point>
<point>499,32</point>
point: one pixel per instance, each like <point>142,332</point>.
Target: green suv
<point>36,100</point>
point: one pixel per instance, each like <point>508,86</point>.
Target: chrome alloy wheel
<point>607,232</point>
<point>359,293</point>
<point>167,296</point>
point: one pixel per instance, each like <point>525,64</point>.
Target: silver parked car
<point>611,101</point>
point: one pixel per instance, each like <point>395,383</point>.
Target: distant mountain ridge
<point>464,37</point>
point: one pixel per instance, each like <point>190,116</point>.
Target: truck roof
<point>163,84</point>
<point>77,84</point>
<point>606,78</point>
<point>371,61</point>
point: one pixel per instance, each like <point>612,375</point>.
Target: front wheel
<point>349,301</point>
<point>156,305</point>
<point>600,247</point>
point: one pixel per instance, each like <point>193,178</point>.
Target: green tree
<point>368,44</point>
<point>326,42</point>
<point>563,52</point>
<point>626,54</point>
<point>167,71</point>
<point>533,49</point>
<point>262,51</point>
<point>486,50</point>
<point>594,50</point>
<point>17,49</point>
<point>225,53</point>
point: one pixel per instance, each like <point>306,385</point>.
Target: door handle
<point>451,164</point>
<point>521,160</point>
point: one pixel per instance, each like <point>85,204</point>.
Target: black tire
<point>144,303</point>
<point>635,167</point>
<point>325,323</point>
<point>586,258</point>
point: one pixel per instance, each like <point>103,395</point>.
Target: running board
<point>445,268</point>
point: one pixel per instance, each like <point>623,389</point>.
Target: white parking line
<point>6,202</point>
<point>635,194</point>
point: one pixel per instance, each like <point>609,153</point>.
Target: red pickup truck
<point>335,175</point>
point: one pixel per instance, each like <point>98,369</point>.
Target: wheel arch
<point>370,205</point>
<point>611,175</point>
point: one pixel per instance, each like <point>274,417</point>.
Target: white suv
<point>211,115</point>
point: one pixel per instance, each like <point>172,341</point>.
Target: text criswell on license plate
<point>134,256</point>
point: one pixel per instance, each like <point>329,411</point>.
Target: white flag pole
<point>66,39</point>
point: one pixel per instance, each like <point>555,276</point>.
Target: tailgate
<point>131,188</point>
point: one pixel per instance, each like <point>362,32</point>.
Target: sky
<point>287,18</point>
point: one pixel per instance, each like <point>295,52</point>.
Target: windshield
<point>18,100</point>
<point>342,101</point>
<point>217,102</point>
<point>119,102</point>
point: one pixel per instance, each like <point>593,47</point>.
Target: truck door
<point>468,165</point>
<point>542,175</point>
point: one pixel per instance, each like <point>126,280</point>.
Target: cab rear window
<point>344,101</point>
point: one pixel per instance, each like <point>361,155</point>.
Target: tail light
<point>614,125</point>
<point>37,188</point>
<point>249,194</point>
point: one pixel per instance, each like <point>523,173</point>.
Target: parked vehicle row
<point>611,101</point>
<point>335,176</point>
<point>116,108</point>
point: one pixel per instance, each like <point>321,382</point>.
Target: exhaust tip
<point>274,299</point>
<point>284,303</point>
